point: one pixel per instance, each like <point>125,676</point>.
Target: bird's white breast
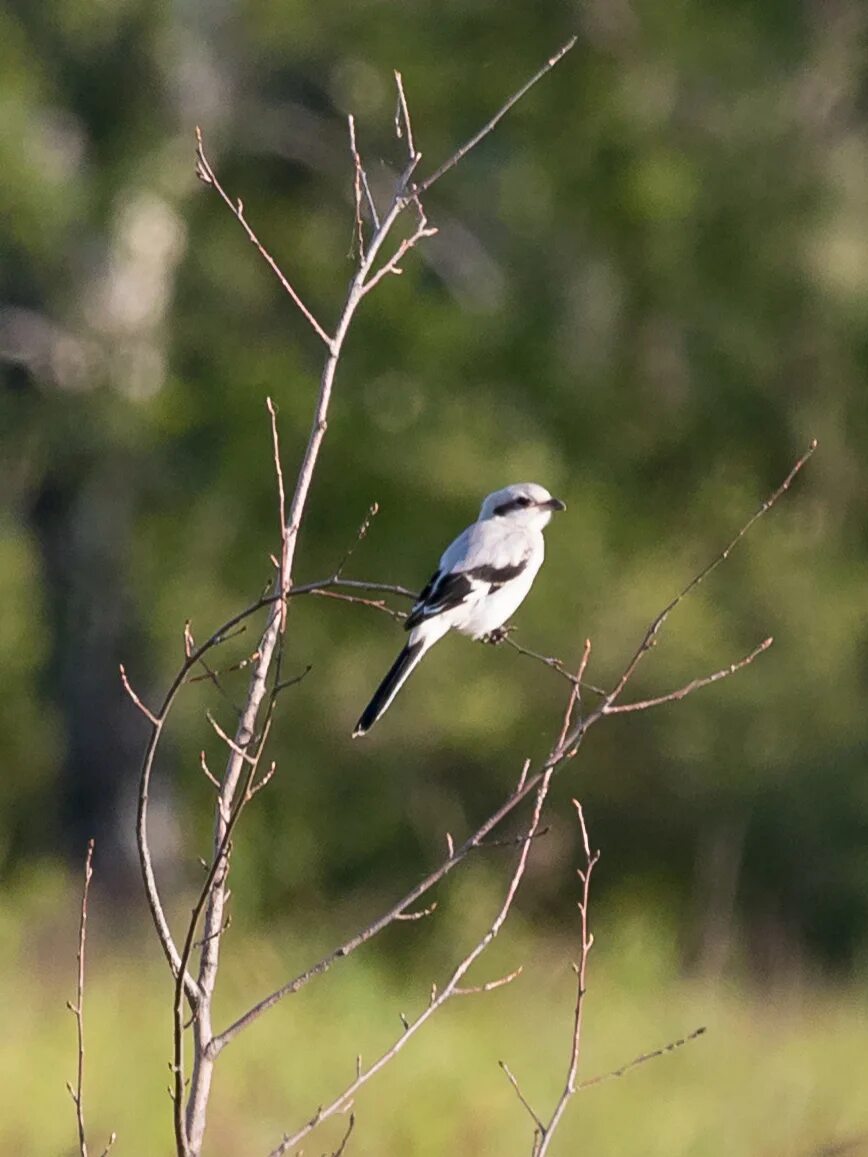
<point>486,609</point>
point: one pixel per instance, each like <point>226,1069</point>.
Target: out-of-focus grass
<point>780,1073</point>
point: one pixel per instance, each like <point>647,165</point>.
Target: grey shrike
<point>483,577</point>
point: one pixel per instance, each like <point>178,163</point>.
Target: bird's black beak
<point>554,504</point>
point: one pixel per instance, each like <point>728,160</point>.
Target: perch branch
<point>527,784</point>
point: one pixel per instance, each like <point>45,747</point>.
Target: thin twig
<point>420,915</point>
<point>653,630</point>
<point>553,662</point>
<point>361,534</point>
<point>281,498</point>
<point>212,676</point>
<point>358,231</point>
<point>586,941</point>
<point>423,186</point>
<point>540,1127</point>
<point>641,1059</point>
<point>575,695</point>
<point>360,185</point>
<point>77,1009</point>
<point>393,265</point>
<point>146,711</point>
<point>693,685</point>
<point>207,175</point>
<point>340,1149</point>
<point>375,604</point>
<point>403,127</point>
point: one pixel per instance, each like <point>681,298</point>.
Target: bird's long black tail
<point>390,686</point>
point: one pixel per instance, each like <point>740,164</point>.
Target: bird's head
<point>524,503</point>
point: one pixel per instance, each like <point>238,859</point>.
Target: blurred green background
<point>648,293</point>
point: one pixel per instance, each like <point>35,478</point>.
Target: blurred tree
<point>648,293</point>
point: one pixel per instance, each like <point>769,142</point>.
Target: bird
<point>482,579</point>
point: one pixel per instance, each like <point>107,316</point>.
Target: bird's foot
<point>498,635</point>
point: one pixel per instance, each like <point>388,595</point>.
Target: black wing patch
<point>445,591</point>
<point>496,576</point>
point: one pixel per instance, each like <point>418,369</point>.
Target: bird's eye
<point>522,501</point>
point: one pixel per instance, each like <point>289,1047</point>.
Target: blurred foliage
<point>774,1073</point>
<point>648,293</point>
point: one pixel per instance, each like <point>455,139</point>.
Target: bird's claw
<point>498,635</point>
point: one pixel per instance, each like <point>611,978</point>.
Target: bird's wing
<point>479,561</point>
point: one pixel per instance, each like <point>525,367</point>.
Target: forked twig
<point>693,685</point>
<point>437,998</point>
<point>654,628</point>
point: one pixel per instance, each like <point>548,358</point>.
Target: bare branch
<point>553,662</point>
<point>282,684</point>
<point>693,685</point>
<point>358,233</point>
<point>423,186</point>
<point>157,723</point>
<point>234,747</point>
<point>281,498</point>
<point>255,788</point>
<point>586,941</point>
<point>540,1127</point>
<point>418,915</point>
<point>375,604</point>
<point>403,126</point>
<point>203,763</point>
<point>207,175</point>
<point>490,985</point>
<point>422,230</point>
<point>354,584</point>
<point>204,1049</point>
<point>148,714</point>
<point>77,1009</point>
<point>340,1149</point>
<point>363,176</point>
<point>641,1059</point>
<point>653,630</point>
<point>227,819</point>
<point>451,989</point>
<point>212,676</point>
<point>514,841</point>
<point>575,693</point>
